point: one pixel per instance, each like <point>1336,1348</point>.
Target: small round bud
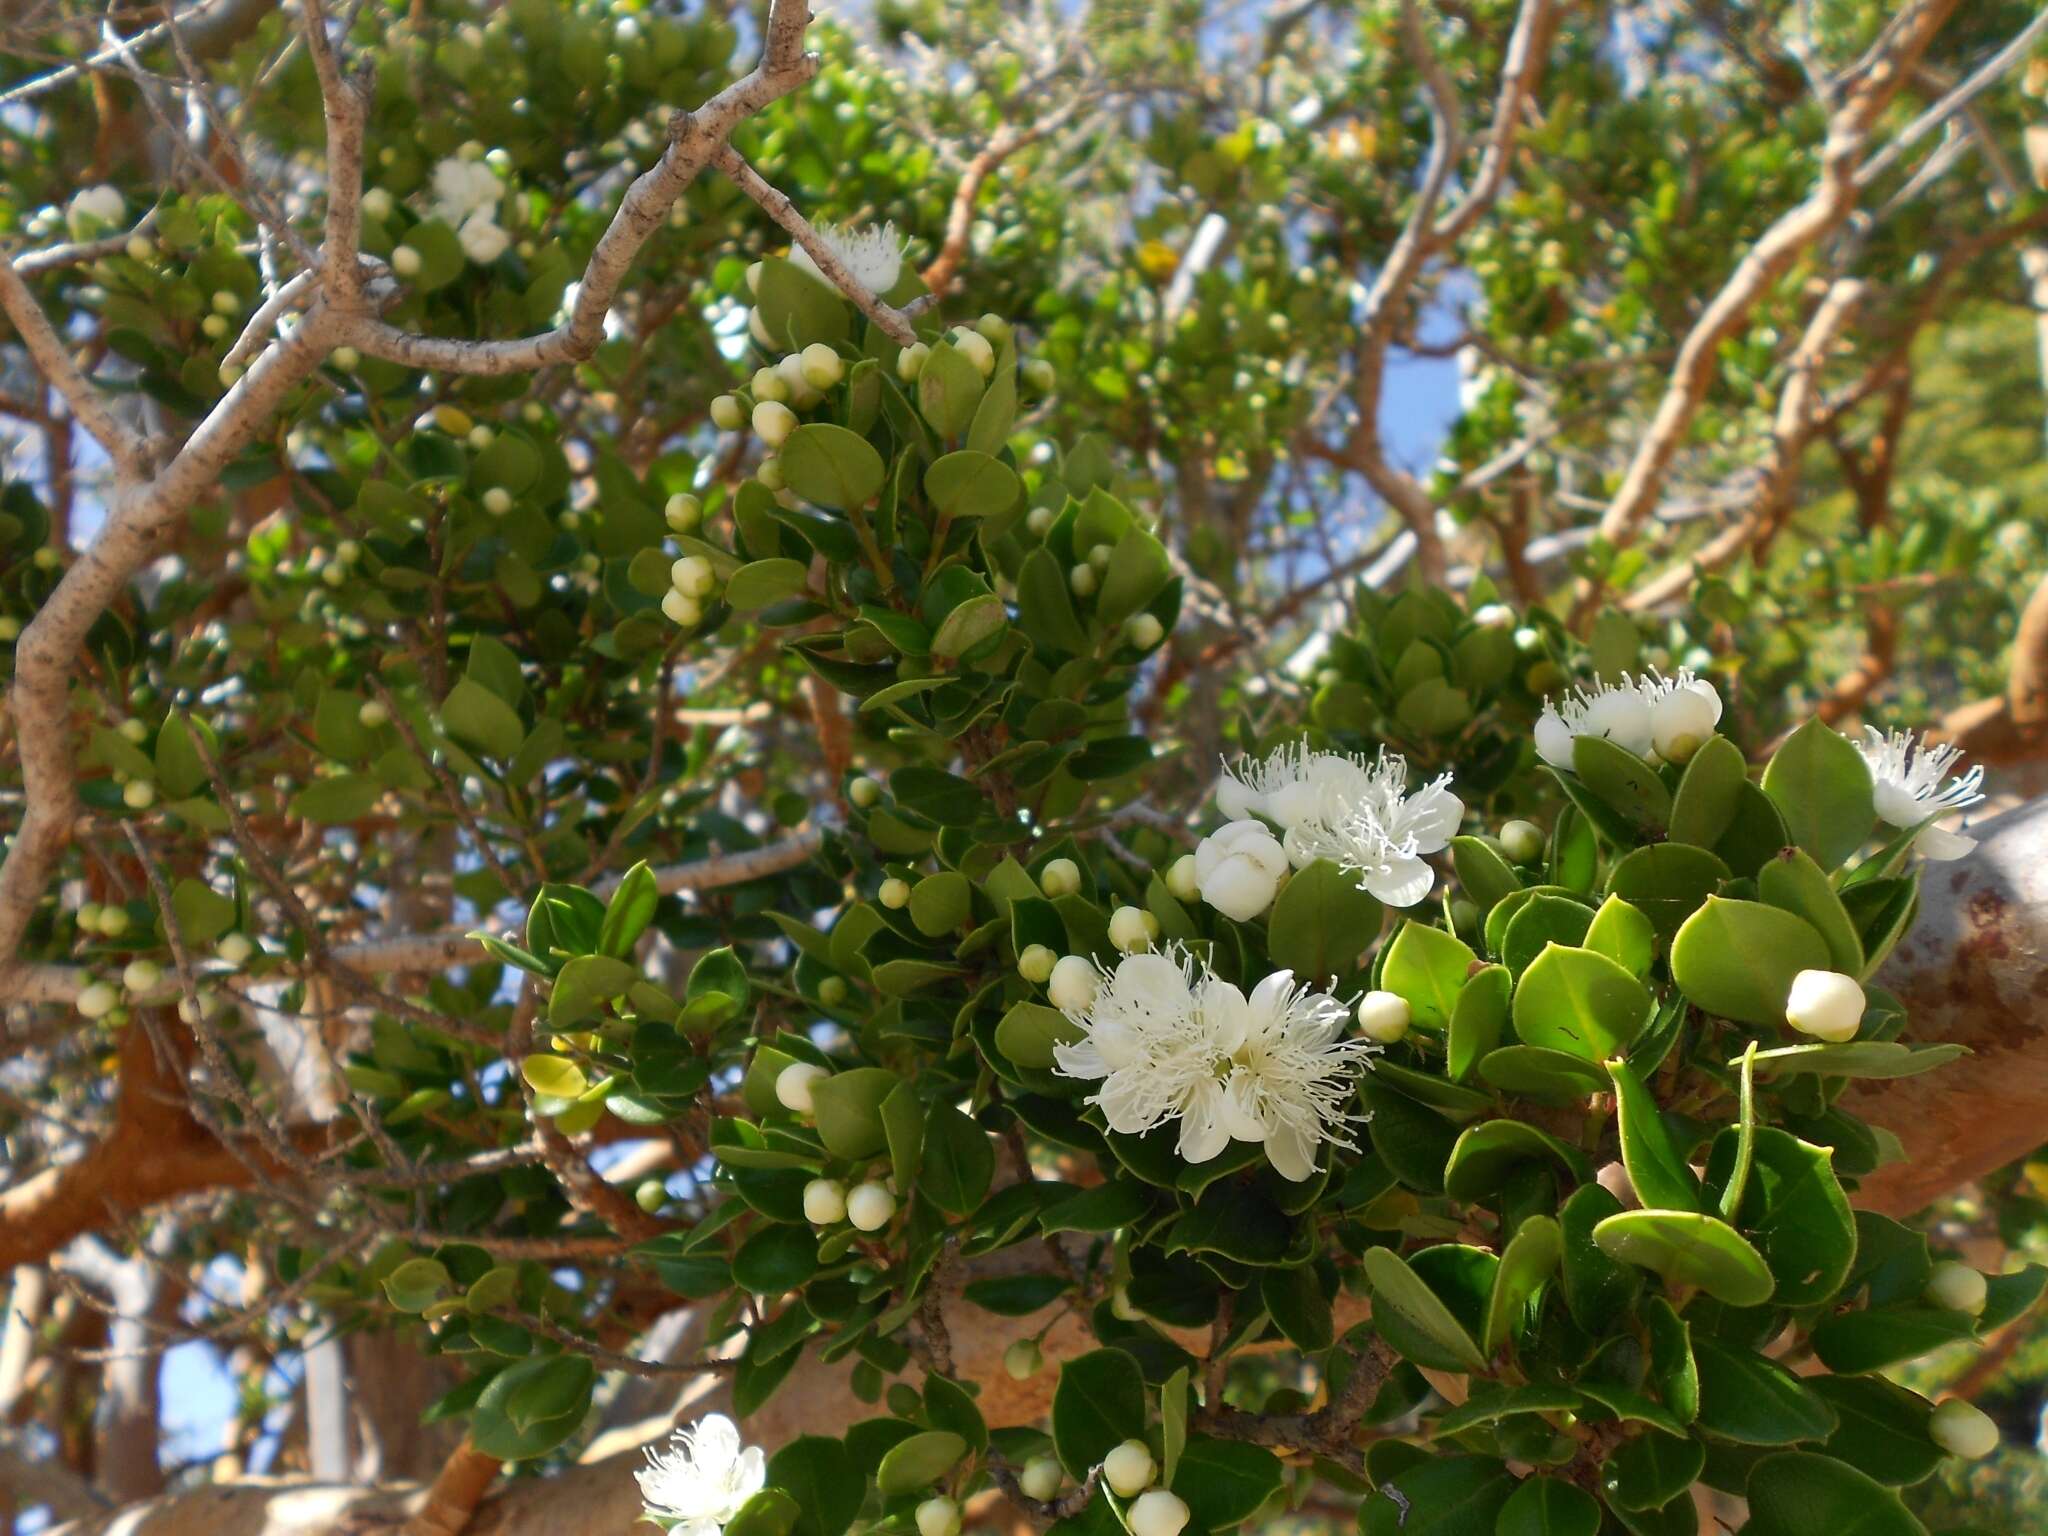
<point>683,612</point>
<point>824,1202</point>
<point>651,1196</point>
<point>1098,558</point>
<point>1522,841</point>
<point>1158,1513</point>
<point>373,714</point>
<point>1082,580</point>
<point>47,559</point>
<point>911,360</point>
<point>773,422</point>
<point>758,329</point>
<point>405,261</point>
<point>832,991</point>
<point>1128,931</point>
<point>139,795</point>
<point>1035,964</point>
<point>770,474</point>
<point>864,792</point>
<point>214,327</point>
<point>453,420</point>
<point>769,384</point>
<point>230,375</point>
<point>1144,631</point>
<point>1041,1478</point>
<point>1957,1287</point>
<point>1129,1469</point>
<point>333,575</point>
<point>683,512</point>
<point>801,394</point>
<point>1826,1005</point>
<point>1963,1429</point>
<point>894,894</point>
<point>227,303</point>
<point>140,975</point>
<point>133,730</point>
<point>139,249</point>
<point>1039,375</point>
<point>1383,1016</point>
<point>754,277</point>
<point>497,501</point>
<point>113,920</point>
<point>1182,883</point>
<point>994,328</point>
<point>533,413</point>
<point>96,999</point>
<point>1060,877</point>
<point>975,348</point>
<point>692,576</point>
<point>347,359</point>
<point>1073,983</point>
<point>938,1516</point>
<point>481,437</point>
<point>793,1085</point>
<point>10,628</point>
<point>822,367</point>
<point>726,413</point>
<point>1038,521</point>
<point>378,203</point>
<point>348,551</point>
<point>1024,1360</point>
<point>89,917</point>
<point>870,1206</point>
<point>235,949</point>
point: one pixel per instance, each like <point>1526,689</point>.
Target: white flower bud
<point>864,792</point>
<point>801,394</point>
<point>1522,841</point>
<point>1024,1360</point>
<point>1158,1513</point>
<point>1073,984</point>
<point>373,714</point>
<point>1682,716</point>
<point>894,894</point>
<point>1060,877</point>
<point>975,348</point>
<point>994,327</point>
<point>10,628</point>
<point>235,949</point>
<point>793,1085</point>
<point>1039,375</point>
<point>497,501</point>
<point>1038,521</point>
<point>822,367</point>
<point>1041,1478</point>
<point>754,277</point>
<point>227,303</point>
<point>197,1009</point>
<point>1082,580</point>
<point>378,203</point>
<point>911,360</point>
<point>1036,964</point>
<point>347,359</point>
<point>683,612</point>
<point>139,795</point>
<point>1383,1016</point>
<point>1825,1004</point>
<point>870,1207</point>
<point>769,384</point>
<point>726,413</point>
<point>89,917</point>
<point>1144,630</point>
<point>758,329</point>
<point>481,437</point>
<point>938,1516</point>
<point>1957,1287</point>
<point>1099,557</point>
<point>683,512</point>
<point>824,1202</point>
<point>405,261</point>
<point>1963,1429</point>
<point>133,730</point>
<point>113,920</point>
<point>1128,930</point>
<point>770,474</point>
<point>832,991</point>
<point>693,576</point>
<point>141,975</point>
<point>1129,1469</point>
<point>1554,739</point>
<point>1238,869</point>
<point>773,423</point>
<point>1182,883</point>
<point>96,999</point>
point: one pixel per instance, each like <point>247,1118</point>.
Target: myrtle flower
<point>1907,776</point>
<point>701,1478</point>
<point>95,210</point>
<point>1238,869</point>
<point>873,256</point>
<point>1683,712</point>
<point>1171,1040</point>
<point>462,187</point>
<point>1618,711</point>
<point>482,240</point>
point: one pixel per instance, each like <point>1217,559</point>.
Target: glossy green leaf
<point>1799,1493</point>
<point>1656,1167</point>
<point>1751,1399</point>
<point>1526,1265</point>
<point>1579,1002</point>
<point>1321,922</point>
<point>1428,967</point>
<point>1688,1248</point>
<point>1098,1404</point>
<point>831,467</point>
<point>1821,785</point>
<point>1737,959</point>
<point>1397,1289</point>
<point>1708,793</point>
<point>1795,883</point>
<point>1548,1506</point>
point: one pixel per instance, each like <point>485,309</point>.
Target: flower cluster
<point>1349,809</point>
<point>1652,716</point>
<point>466,194</point>
<point>1906,775</point>
<point>702,1477</point>
<point>1171,1040</point>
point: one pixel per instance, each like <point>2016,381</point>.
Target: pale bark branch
<point>46,349</point>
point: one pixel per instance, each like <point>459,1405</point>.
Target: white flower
<point>702,1478</point>
<point>95,210</point>
<point>1171,1040</point>
<point>1619,711</point>
<point>872,256</point>
<point>1908,776</point>
<point>1355,812</point>
<point>483,242</point>
<point>1238,869</point>
<point>1683,713</point>
<point>461,187</point>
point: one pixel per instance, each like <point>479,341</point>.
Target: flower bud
<point>994,328</point>
<point>975,348</point>
<point>1825,1004</point>
<point>1073,983</point>
<point>864,792</point>
<point>378,203</point>
<point>214,328</point>
<point>96,999</point>
<point>726,413</point>
<point>1060,877</point>
<point>769,384</point>
<point>133,730</point>
<point>870,1207</point>
<point>227,303</point>
<point>373,714</point>
<point>1041,1478</point>
<point>1082,580</point>
<point>1039,375</point>
<point>235,949</point>
<point>10,629</point>
<point>801,394</point>
<point>1038,522</point>
<point>138,795</point>
<point>1522,841</point>
<point>1128,930</point>
<point>1683,715</point>
<point>1144,631</point>
<point>1129,1469</point>
<point>1963,1429</point>
<point>793,1085</point>
<point>758,329</point>
<point>113,920</point>
<point>1181,883</point>
<point>651,1196</point>
<point>832,991</point>
<point>773,423</point>
<point>911,360</point>
<point>1238,869</point>
<point>1036,964</point>
<point>824,1202</point>
<point>754,277</point>
<point>822,367</point>
<point>1024,1360</point>
<point>1383,1016</point>
<point>1957,1287</point>
<point>497,501</point>
<point>938,1516</point>
<point>347,359</point>
<point>692,576</point>
<point>683,612</point>
<point>141,975</point>
<point>1158,1513</point>
<point>769,473</point>
<point>894,894</point>
<point>89,917</point>
<point>1099,557</point>
<point>405,261</point>
<point>683,511</point>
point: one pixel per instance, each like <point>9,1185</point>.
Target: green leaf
<point>338,798</point>
<point>1224,1481</point>
<point>1294,1300</point>
<point>628,913</point>
<point>1851,1343</point>
<point>1624,781</point>
<point>941,903</point>
<point>532,1407</point>
<point>1689,1248</point>
<point>971,484</point>
<point>1486,876</point>
<point>1399,1290</point>
<point>1173,1424</point>
<point>1138,570</point>
<point>1667,883</point>
<point>1098,1404</point>
<point>1821,784</point>
<point>1709,793</point>
<point>554,1077</point>
<point>1661,1178</point>
<point>1029,1031</point>
<point>948,391</point>
<point>584,985</point>
<point>797,308</point>
<point>1857,1058</point>
<point>1794,1211</point>
<point>831,467</point>
<point>1793,882</point>
<point>1798,1493</point>
<point>756,586</point>
<point>1478,1020</point>
<point>480,720</point>
<point>1597,1288</point>
<point>1443,1496</point>
<point>959,1160</point>
<point>770,1512</point>
<point>1526,1264</point>
<point>968,625</point>
<point>1414,1142</point>
<point>1883,1430</point>
<point>1548,1506</point>
<point>416,1284</point>
<point>1737,959</point>
<point>1751,1399</point>
<point>1651,1470</point>
<point>1045,606</point>
<point>848,1109</point>
<point>916,1463</point>
<point>203,914</point>
<point>1671,1361</point>
<point>820,1476</point>
<point>180,771</point>
<point>1536,1072</point>
<point>1581,1002</point>
<point>1486,1153</point>
<point>775,1259</point>
<point>1321,922</point>
<point>1428,967</point>
<point>1624,935</point>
